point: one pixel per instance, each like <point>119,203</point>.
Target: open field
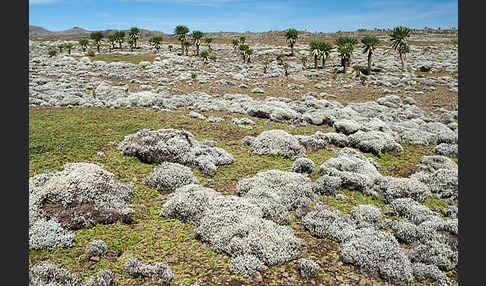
<point>80,106</point>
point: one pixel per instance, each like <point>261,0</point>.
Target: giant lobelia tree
<point>155,42</point>
<point>324,52</point>
<point>370,43</point>
<point>399,39</point>
<point>133,35</point>
<point>120,35</point>
<point>196,38</point>
<point>84,44</point>
<point>350,42</point>
<point>291,36</point>
<point>96,37</point>
<point>314,48</point>
<point>180,32</point>
<point>112,38</point>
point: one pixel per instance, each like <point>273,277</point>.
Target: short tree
<point>84,44</point>
<point>304,60</point>
<point>242,39</point>
<point>205,55</point>
<point>280,58</point>
<point>68,46</point>
<point>60,46</point>
<point>134,34</point>
<point>370,44</point>
<point>155,42</point>
<point>314,48</point>
<point>213,58</point>
<point>170,48</point>
<point>96,37</point>
<point>196,37</point>
<point>291,36</point>
<point>181,31</point>
<point>52,52</point>
<point>209,41</point>
<point>399,39</point>
<point>286,68</point>
<point>357,70</point>
<point>265,66</point>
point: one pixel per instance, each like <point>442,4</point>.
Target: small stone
<point>95,258</point>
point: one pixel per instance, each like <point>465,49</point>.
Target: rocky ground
<point>154,168</point>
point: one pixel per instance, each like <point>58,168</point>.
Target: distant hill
<point>75,33</point>
<point>39,32</point>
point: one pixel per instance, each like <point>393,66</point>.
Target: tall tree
<point>181,31</point>
<point>399,38</point>
<point>134,34</point>
<point>96,37</point>
<point>112,38</point>
<point>84,44</point>
<point>249,52</point>
<point>131,44</point>
<point>292,36</point>
<point>314,48</point>
<point>243,49</point>
<point>345,51</point>
<point>187,44</point>
<point>155,42</point>
<point>235,44</point>
<point>370,44</point>
<point>348,41</point>
<point>324,52</point>
<point>196,37</point>
<point>120,35</point>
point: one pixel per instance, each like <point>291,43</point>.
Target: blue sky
<point>242,15</point>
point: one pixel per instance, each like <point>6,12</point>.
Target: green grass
<point>62,135</point>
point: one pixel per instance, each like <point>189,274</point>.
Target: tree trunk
<point>369,63</point>
<point>69,51</point>
<point>182,47</point>
<point>248,59</point>
<point>119,43</point>
<point>209,46</point>
<point>315,61</point>
<point>403,61</point>
<point>344,66</point>
<point>98,48</point>
<point>292,49</point>
<point>323,61</point>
